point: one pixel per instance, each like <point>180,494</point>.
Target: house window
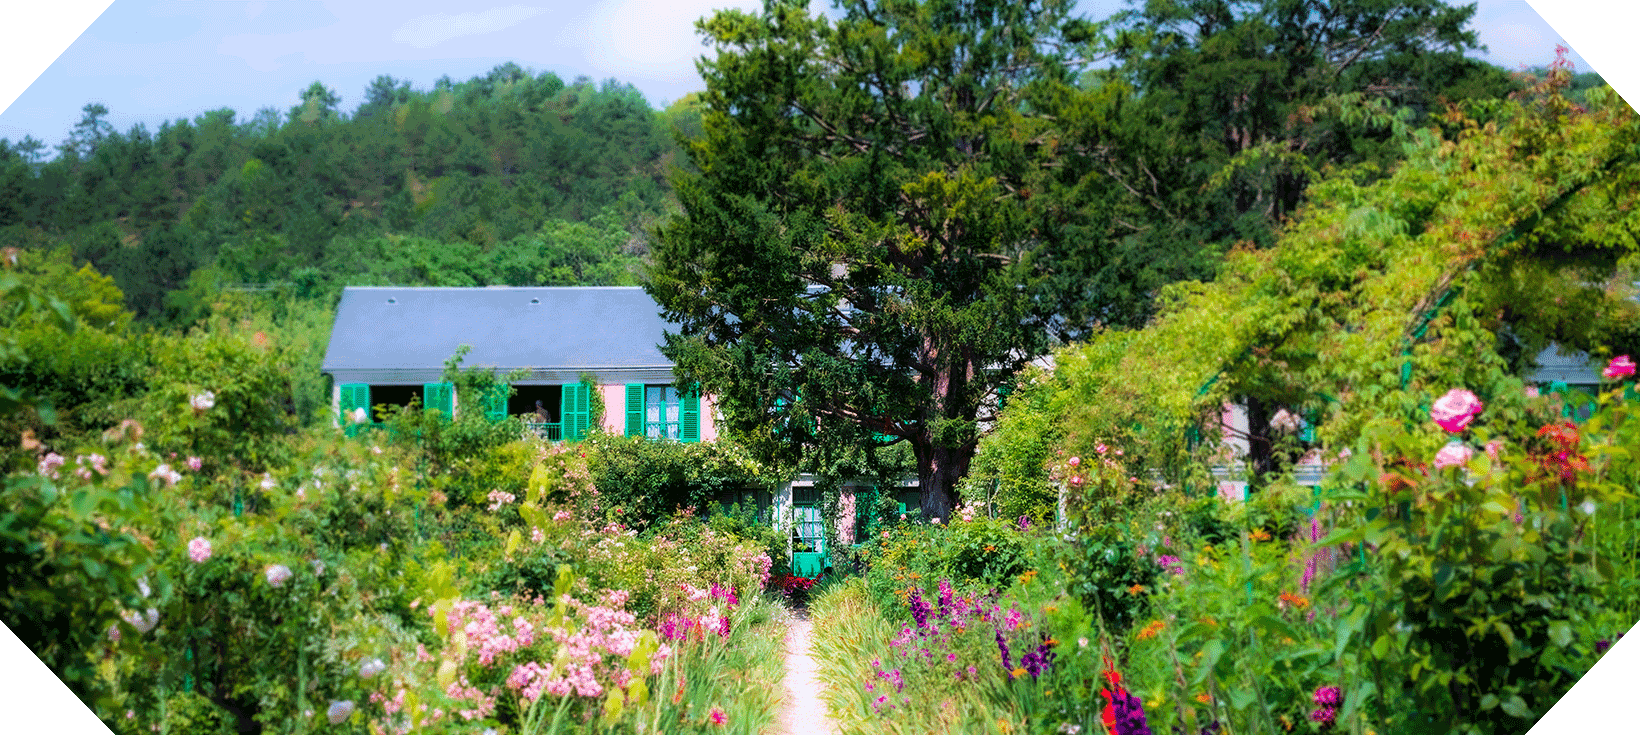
<point>663,412</point>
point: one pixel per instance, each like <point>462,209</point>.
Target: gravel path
<point>802,712</point>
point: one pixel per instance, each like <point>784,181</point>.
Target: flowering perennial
<point>1455,410</point>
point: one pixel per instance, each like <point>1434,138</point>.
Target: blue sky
<point>155,60</point>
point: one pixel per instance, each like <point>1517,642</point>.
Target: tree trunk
<point>938,470</point>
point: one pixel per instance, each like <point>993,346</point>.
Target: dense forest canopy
<point>506,178</point>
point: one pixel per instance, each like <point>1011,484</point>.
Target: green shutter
<point>495,402</point>
<point>438,396</point>
<point>634,409</point>
<point>354,396</point>
<point>576,410</point>
<point>690,418</point>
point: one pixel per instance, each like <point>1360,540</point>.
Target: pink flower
<point>339,711</point>
<point>1620,367</point>
<point>277,574</point>
<point>1453,455</point>
<point>1455,410</point>
<point>1100,449</point>
<point>49,465</point>
<point>717,716</point>
<point>1531,391</point>
<point>199,549</point>
<point>1076,461</point>
<point>1076,480</point>
<point>194,463</point>
<point>1493,448</point>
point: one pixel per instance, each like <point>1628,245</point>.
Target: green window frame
<point>495,401</point>
<point>440,396</point>
<point>662,412</point>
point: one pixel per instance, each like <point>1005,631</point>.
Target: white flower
<point>359,416</point>
<point>375,450</point>
<point>203,401</point>
<point>267,482</point>
<point>319,567</point>
<point>142,586</point>
<point>1587,507</point>
<point>277,574</point>
<point>143,622</point>
<point>1286,421</point>
<point>165,474</point>
<point>371,668</point>
<point>339,711</point>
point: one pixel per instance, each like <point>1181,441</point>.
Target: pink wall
<point>614,409</point>
<point>615,413</point>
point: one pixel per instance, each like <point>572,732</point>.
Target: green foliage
<point>641,481</point>
<point>863,246</point>
<point>505,178</point>
<point>222,394</point>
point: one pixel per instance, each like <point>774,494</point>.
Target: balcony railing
<point>552,431</point>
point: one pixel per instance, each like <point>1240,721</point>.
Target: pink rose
<point>1620,367</point>
<point>1453,455</point>
<point>1076,461</point>
<point>1455,410</point>
<point>199,549</point>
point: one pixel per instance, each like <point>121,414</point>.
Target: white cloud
<point>638,37</point>
<point>430,30</point>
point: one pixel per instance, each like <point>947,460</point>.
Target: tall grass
<point>849,632</point>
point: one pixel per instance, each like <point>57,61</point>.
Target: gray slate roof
<point>404,335</point>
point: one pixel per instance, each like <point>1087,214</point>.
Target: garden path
<point>802,712</point>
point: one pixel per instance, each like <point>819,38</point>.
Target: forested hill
<point>519,179</point>
<point>506,178</point>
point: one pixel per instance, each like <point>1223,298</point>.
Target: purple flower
<point>1326,716</point>
<point>1024,523</point>
<point>1601,645</point>
<point>1329,696</point>
<point>1170,563</point>
<point>1007,658</point>
<point>1130,714</point>
<point>919,608</point>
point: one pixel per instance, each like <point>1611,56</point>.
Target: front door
<point>808,534</point>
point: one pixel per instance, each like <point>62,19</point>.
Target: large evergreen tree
<point>858,257</point>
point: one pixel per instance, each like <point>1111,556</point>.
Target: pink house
<point>389,345</point>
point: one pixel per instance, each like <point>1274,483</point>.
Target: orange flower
<point>1136,589</point>
<point>1260,534</point>
<point>1151,630</point>
<point>1294,600</point>
<point>990,548</point>
<point>1204,698</point>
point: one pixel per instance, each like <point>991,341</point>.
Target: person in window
<point>541,415</point>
